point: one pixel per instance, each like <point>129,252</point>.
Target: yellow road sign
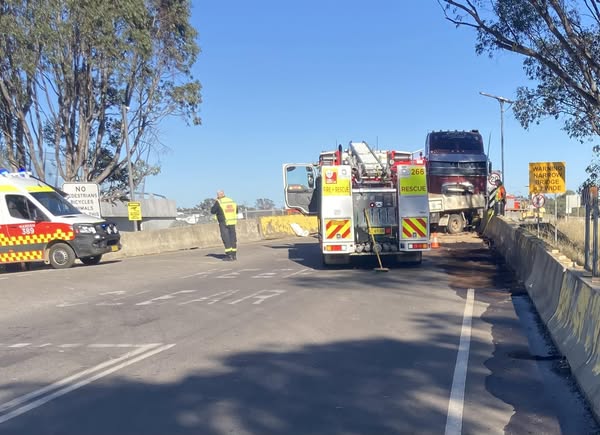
<point>547,177</point>
<point>134,209</point>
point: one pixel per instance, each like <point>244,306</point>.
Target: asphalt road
<point>184,343</point>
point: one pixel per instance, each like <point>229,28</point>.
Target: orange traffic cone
<point>434,241</point>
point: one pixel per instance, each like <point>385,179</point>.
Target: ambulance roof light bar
<point>21,173</point>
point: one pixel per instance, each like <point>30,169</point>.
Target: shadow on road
<point>374,386</point>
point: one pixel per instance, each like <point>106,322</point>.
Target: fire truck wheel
<point>61,256</point>
<point>91,261</point>
<point>456,224</point>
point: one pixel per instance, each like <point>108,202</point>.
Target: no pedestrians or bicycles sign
<point>538,200</point>
<point>547,177</point>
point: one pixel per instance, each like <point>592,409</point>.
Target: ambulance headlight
<point>84,229</point>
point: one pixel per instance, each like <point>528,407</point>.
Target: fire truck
<point>368,202</point>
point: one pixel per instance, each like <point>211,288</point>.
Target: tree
<point>73,71</point>
<point>560,40</point>
<point>264,204</point>
<point>204,207</point>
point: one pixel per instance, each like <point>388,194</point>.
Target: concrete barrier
<point>281,226</point>
<point>188,237</point>
<point>567,301</point>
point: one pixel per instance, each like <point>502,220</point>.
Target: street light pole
<point>129,170</point>
<point>501,100</point>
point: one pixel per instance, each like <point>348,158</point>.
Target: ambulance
<point>37,224</point>
<point>368,203</point>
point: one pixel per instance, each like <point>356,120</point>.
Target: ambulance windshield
<point>55,203</point>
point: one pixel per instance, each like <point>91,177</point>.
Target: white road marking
<point>299,272</point>
<point>229,275</point>
<point>165,297</point>
<point>104,345</point>
<point>67,385</point>
<point>265,275</point>
<point>457,393</point>
<point>109,304</point>
<point>207,272</point>
<point>70,304</point>
<point>261,297</point>
<point>70,345</point>
<point>20,345</point>
<point>116,292</point>
<point>213,298</point>
<point>45,345</point>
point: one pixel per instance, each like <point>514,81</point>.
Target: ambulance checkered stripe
<point>414,228</point>
<point>31,239</point>
<point>12,257</point>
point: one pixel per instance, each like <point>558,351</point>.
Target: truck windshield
<point>55,204</point>
<point>455,143</point>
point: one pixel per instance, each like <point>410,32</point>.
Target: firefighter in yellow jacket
<point>226,211</point>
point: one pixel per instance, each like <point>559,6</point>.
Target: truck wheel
<point>91,261</point>
<point>456,224</point>
<point>61,256</point>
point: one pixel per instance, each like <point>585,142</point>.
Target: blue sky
<point>283,81</point>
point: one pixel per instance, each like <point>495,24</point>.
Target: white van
<point>39,224</point>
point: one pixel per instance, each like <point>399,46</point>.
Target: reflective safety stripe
<point>40,189</point>
<point>8,188</point>
<point>414,228</point>
<point>30,239</point>
<point>337,228</point>
<point>13,257</point>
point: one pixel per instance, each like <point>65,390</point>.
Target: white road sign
<point>493,178</point>
<point>538,200</point>
<point>84,196</point>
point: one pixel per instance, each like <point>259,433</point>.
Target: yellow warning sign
<point>413,181</point>
<point>547,177</point>
<point>134,210</point>
<point>333,184</point>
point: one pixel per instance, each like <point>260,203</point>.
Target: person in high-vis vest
<point>500,198</point>
<point>226,211</point>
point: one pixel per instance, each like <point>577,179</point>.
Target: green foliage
<point>264,204</point>
<point>67,69</point>
<point>560,42</point>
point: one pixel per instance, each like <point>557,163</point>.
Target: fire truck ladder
<point>368,162</point>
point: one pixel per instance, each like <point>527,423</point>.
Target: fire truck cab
<point>39,224</point>
<point>367,202</point>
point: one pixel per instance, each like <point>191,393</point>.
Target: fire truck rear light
<point>418,246</point>
<point>336,248</point>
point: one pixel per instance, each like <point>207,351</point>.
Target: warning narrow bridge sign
<point>547,177</point>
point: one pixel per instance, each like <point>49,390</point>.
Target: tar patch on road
<point>526,369</point>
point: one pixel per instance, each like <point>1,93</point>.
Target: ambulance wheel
<point>61,256</point>
<point>91,261</point>
<point>456,224</point>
